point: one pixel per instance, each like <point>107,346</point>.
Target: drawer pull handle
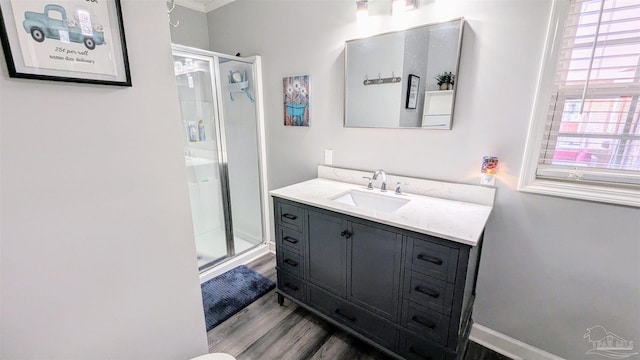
<point>290,262</point>
<point>430,292</point>
<point>425,357</point>
<point>290,287</point>
<point>431,259</point>
<point>345,234</point>
<point>422,321</point>
<point>290,239</point>
<point>290,216</point>
<point>341,314</point>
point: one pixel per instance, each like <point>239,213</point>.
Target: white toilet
<point>214,356</point>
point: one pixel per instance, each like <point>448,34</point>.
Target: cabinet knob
<point>290,216</point>
<point>290,239</point>
<point>345,234</point>
<point>343,315</point>
<point>429,292</point>
<point>431,259</point>
<point>291,262</point>
<point>291,287</point>
<point>417,352</point>
<point>424,322</point>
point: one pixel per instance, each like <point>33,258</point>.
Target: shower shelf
<point>239,86</point>
<point>242,86</point>
<point>194,161</point>
<point>189,71</point>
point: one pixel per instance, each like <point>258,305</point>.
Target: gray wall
<point>551,267</point>
<point>382,56</point>
<point>97,253</point>
<point>192,30</point>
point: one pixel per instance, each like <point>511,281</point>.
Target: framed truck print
<point>65,40</point>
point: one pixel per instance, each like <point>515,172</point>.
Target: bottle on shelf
<point>201,131</point>
<point>193,132</point>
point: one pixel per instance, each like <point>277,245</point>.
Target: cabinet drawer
<point>291,285</point>
<point>290,215</point>
<point>290,238</point>
<point>424,322</point>
<point>412,347</point>
<point>429,292</point>
<point>432,259</point>
<point>290,262</point>
<point>359,319</point>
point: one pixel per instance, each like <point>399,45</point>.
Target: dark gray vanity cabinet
<point>409,294</point>
<point>327,252</point>
<point>375,259</point>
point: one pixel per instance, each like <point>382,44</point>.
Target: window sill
<point>582,191</point>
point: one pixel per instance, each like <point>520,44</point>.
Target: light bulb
<point>362,10</point>
<point>398,7</point>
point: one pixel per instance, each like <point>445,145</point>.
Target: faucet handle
<point>398,187</point>
<point>369,185</point>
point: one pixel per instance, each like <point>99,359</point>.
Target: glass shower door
<point>202,151</point>
<point>241,141</point>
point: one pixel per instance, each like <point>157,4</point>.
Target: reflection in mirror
<point>403,79</point>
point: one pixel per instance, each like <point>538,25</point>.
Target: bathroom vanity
<point>396,270</point>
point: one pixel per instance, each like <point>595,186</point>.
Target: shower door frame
<point>219,126</point>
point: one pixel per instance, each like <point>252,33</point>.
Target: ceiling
<point>203,5</point>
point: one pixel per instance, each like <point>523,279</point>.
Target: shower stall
<point>224,152</point>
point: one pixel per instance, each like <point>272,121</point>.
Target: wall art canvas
<point>297,105</point>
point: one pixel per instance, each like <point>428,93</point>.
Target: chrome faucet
<point>383,186</point>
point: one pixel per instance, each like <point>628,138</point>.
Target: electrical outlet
<point>328,157</point>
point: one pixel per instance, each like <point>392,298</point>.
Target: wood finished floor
<point>266,331</point>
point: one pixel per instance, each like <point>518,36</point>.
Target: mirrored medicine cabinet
<point>403,79</point>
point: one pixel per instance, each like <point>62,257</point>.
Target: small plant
<point>445,78</point>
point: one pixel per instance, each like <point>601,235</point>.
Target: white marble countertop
<point>454,220</point>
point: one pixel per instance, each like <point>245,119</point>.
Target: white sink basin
<point>370,200</point>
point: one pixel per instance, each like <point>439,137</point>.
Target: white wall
<point>550,267</point>
<point>416,43</point>
<point>97,253</point>
<point>192,29</point>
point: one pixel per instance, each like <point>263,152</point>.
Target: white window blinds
<point>592,133</point>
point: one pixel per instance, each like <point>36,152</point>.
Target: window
<point>585,136</point>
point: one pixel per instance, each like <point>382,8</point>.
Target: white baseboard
<point>241,259</point>
<point>272,247</point>
<point>508,346</point>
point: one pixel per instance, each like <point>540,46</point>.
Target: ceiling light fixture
<point>362,10</point>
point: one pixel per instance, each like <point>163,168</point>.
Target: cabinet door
<point>327,252</point>
<point>374,278</point>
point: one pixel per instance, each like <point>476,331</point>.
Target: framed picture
<point>297,106</point>
<point>65,40</point>
<point>412,91</point>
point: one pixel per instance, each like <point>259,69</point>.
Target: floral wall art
<point>296,100</point>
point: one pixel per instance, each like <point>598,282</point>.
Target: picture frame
<point>412,91</point>
<point>296,91</point>
<point>80,41</point>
